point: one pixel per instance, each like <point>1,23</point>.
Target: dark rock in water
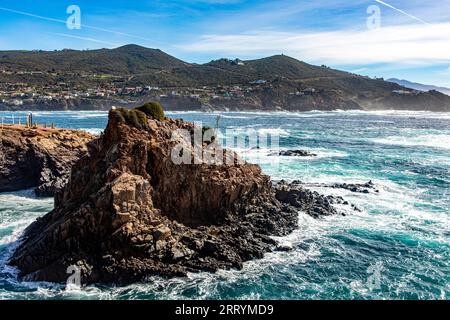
<point>129,212</point>
<point>39,158</point>
<point>296,153</point>
<point>355,187</point>
<point>284,248</point>
<point>311,202</point>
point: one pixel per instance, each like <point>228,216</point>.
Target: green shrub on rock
<point>153,110</point>
<point>133,117</point>
<point>119,114</point>
<point>142,118</point>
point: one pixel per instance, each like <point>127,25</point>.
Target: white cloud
<point>406,44</point>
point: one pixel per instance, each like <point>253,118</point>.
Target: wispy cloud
<point>115,32</point>
<point>407,44</point>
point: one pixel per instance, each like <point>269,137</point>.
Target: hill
<point>129,59</point>
<point>129,75</point>
<point>420,86</point>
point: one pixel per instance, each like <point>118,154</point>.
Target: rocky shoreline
<point>128,211</point>
<point>38,158</point>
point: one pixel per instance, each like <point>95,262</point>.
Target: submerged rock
<point>40,158</point>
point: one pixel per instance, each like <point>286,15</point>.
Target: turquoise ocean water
<point>402,232</point>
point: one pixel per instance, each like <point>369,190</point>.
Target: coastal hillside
<point>129,75</point>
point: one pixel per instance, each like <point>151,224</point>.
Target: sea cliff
<point>38,157</point>
<point>129,212</point>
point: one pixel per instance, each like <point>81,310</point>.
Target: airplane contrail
<point>403,12</point>
<point>83,25</point>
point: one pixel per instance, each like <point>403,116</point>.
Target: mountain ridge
<point>273,83</point>
<point>419,86</point>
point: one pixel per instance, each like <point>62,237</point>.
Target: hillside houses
<point>64,89</point>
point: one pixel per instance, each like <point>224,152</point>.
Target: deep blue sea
<point>397,247</point>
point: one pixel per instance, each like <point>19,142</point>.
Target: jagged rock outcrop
<point>309,202</point>
<point>129,211</point>
<point>40,158</point>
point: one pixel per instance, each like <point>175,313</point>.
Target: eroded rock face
<point>40,158</point>
<point>128,212</point>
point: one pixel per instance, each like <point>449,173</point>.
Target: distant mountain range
<point>419,86</point>
<point>274,83</point>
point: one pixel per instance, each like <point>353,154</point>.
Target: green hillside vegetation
<point>281,82</point>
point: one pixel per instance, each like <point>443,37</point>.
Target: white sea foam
<point>432,140</point>
<point>94,131</point>
<point>327,153</point>
<point>230,116</point>
<point>18,210</point>
<point>274,131</point>
<point>318,153</point>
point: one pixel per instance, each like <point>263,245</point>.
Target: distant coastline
<point>206,109</point>
<point>87,80</point>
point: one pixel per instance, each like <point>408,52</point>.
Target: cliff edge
<point>39,157</point>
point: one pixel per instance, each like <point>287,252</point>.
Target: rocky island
<point>38,157</point>
<point>129,212</point>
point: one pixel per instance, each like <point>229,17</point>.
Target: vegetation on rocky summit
<point>138,117</point>
<point>153,110</point>
<point>133,117</point>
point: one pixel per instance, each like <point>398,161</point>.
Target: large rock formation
<point>39,158</point>
<point>129,211</point>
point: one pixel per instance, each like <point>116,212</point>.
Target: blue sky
<point>411,40</point>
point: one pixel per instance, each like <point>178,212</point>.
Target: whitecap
<point>441,141</point>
